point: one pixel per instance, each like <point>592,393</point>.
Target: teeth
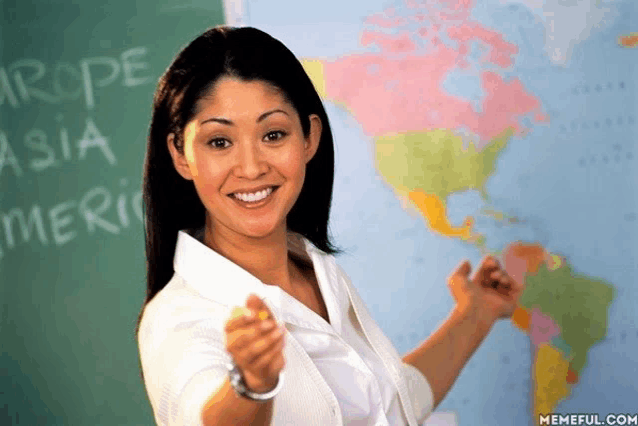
<point>256,196</point>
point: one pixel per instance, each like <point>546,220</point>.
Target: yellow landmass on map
<point>550,377</point>
<point>314,69</point>
<point>554,262</point>
<point>434,212</point>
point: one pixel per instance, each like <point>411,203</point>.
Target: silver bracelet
<point>238,383</point>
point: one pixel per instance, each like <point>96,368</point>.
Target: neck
<point>266,257</point>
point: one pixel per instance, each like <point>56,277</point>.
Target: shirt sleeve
<point>420,392</point>
<point>184,363</point>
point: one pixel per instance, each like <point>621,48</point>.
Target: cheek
<point>294,166</point>
<point>210,180</point>
<point>209,193</point>
<point>211,176</point>
<point>207,188</point>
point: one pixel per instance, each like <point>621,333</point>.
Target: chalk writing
<point>94,208</point>
<point>19,81</point>
<point>31,84</point>
<point>37,142</point>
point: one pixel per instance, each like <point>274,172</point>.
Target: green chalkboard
<point>76,85</point>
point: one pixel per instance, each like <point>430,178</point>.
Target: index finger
<point>487,265</point>
<point>489,261</point>
<point>239,317</point>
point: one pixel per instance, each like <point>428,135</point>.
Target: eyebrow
<point>230,123</point>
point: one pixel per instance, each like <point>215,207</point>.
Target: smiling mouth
<point>254,198</point>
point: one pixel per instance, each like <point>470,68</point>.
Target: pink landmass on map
<point>388,43</point>
<point>415,99</point>
<point>542,328</point>
<point>516,266</point>
<point>500,52</point>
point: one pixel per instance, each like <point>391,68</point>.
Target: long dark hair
<point>170,201</point>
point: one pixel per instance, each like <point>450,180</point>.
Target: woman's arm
<point>480,301</point>
<point>256,344</point>
<point>228,408</point>
<point>443,355</point>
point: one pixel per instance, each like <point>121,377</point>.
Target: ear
<point>312,141</point>
<point>180,161</point>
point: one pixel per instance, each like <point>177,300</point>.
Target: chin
<point>259,231</point>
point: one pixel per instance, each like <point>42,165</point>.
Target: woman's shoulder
<point>178,307</point>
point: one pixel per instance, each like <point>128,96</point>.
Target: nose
<point>250,162</point>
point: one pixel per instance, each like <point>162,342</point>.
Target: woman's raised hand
<point>256,344</point>
<point>490,294</point>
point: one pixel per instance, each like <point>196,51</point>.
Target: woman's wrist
<point>256,390</point>
<point>261,386</point>
<point>472,317</point>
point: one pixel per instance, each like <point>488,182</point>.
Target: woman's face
<point>246,154</point>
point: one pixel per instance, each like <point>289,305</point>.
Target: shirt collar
<point>219,279</point>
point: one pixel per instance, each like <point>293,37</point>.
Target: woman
<point>242,282</point>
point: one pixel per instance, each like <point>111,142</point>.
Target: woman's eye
<point>275,135</point>
<point>219,143</point>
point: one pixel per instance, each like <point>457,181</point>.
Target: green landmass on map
<point>577,303</point>
<point>437,162</point>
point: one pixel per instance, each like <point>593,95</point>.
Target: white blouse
<point>345,359</point>
<point>343,356</point>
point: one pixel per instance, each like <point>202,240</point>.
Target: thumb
<point>463,270</point>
